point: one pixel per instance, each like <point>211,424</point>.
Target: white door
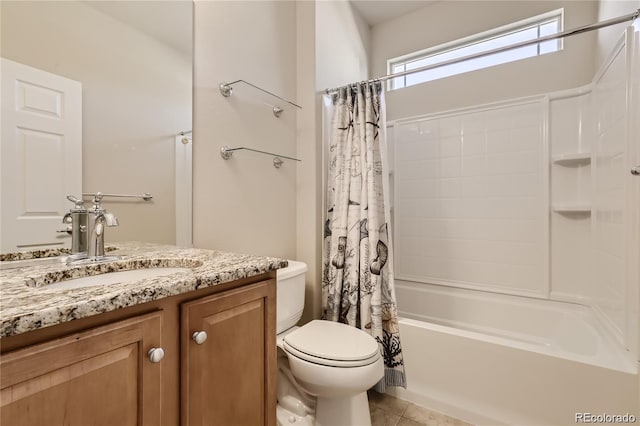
<point>41,155</point>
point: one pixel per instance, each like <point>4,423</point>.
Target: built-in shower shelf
<point>572,208</point>
<point>573,159</point>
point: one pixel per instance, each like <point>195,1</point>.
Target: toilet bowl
<point>324,367</point>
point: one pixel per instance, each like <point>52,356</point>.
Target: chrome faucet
<point>86,227</point>
<point>98,218</point>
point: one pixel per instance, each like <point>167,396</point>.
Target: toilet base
<point>285,417</point>
<point>343,411</point>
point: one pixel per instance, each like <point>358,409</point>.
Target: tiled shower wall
<point>570,134</point>
<point>471,198</point>
<point>530,197</point>
<point>615,190</point>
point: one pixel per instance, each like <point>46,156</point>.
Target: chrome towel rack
<point>226,153</point>
<point>226,89</point>
<point>146,196</point>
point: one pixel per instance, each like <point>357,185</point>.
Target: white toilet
<point>324,367</point>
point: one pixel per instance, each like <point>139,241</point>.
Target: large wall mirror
<point>133,60</point>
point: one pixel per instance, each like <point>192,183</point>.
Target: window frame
<point>492,34</point>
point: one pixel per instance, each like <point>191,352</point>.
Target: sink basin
<point>114,278</point>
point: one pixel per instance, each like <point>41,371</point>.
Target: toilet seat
<point>332,344</point>
<point>329,362</point>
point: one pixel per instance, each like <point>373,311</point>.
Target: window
<point>529,29</point>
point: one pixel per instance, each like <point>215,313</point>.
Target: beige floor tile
<point>380,417</point>
<point>387,410</point>
<point>388,403</point>
<point>419,414</point>
<point>457,422</point>
<point>408,422</point>
<point>425,416</point>
<point>428,417</point>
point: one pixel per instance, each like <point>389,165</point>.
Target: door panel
<point>228,379</point>
<point>99,377</point>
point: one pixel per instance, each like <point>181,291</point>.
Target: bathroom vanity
<point>192,347</point>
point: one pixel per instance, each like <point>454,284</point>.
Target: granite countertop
<point>26,304</point>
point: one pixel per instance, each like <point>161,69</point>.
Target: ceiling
<point>377,11</point>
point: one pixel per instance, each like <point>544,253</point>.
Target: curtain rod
<point>575,31</point>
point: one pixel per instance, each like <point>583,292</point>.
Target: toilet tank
<point>290,294</point>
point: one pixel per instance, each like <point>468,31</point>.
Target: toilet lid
<point>333,341</point>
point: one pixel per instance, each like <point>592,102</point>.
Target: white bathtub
<point>496,359</point>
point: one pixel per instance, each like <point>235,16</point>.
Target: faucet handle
<point>110,219</point>
<point>97,197</point>
<point>79,203</point>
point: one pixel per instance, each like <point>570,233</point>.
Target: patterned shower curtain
<point>357,277</point>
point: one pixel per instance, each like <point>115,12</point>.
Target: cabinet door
<point>102,376</point>
<point>229,378</point>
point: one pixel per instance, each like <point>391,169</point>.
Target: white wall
<point>607,37</point>
<point>309,148</point>
<point>446,21</point>
<point>342,45</point>
<point>244,204</point>
<point>332,50</point>
<point>136,97</point>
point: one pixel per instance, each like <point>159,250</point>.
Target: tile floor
<point>389,411</point>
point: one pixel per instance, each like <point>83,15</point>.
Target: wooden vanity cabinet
<point>98,377</point>
<point>97,370</point>
<point>228,378</point>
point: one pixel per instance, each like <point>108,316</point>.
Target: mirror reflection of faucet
<point>76,220</point>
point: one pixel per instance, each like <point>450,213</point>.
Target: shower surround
<point>516,238</point>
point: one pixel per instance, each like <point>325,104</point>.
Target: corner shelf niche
<point>572,159</point>
<point>570,208</point>
<point>579,162</point>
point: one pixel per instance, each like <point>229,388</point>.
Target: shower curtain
<point>357,277</point>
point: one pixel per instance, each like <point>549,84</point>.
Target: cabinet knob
<point>156,354</point>
<point>635,171</point>
<point>199,337</point>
